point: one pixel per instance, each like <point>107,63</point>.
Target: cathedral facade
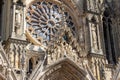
<point>59,40</point>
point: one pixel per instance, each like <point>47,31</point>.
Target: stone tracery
<point>45,21</point>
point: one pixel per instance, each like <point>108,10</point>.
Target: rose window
<point>45,21</point>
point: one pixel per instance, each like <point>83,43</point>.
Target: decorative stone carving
<point>9,74</point>
<point>93,5</point>
<point>94,36</point>
<point>45,20</point>
<point>15,50</point>
<point>18,20</point>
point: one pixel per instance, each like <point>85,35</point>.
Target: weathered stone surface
<point>59,40</point>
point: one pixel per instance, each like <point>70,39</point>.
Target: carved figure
<point>18,21</point>
<point>94,36</point>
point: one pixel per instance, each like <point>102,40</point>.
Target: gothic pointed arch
<point>30,65</point>
<point>62,69</point>
<point>108,36</point>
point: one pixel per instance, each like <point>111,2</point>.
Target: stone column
<point>24,21</point>
<point>24,66</point>
<point>17,61</point>
<point>13,24</point>
<point>98,70</point>
<point>99,39</point>
<point>90,37</point>
<point>93,67</point>
<point>11,55</point>
<point>12,58</point>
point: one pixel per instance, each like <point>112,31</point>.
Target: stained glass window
<point>45,20</point>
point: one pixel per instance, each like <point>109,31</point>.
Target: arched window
<point>108,36</point>
<point>30,65</point>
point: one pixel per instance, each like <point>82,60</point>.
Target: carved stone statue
<point>18,21</point>
<point>94,36</point>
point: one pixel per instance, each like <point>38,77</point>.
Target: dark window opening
<point>108,37</point>
<point>1,6</point>
<point>111,40</point>
<point>66,38</point>
<point>30,66</point>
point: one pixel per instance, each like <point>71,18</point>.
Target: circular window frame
<point>56,3</point>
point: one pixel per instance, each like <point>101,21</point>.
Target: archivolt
<point>64,69</point>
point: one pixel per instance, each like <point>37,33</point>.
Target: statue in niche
<point>94,36</point>
<point>18,19</point>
